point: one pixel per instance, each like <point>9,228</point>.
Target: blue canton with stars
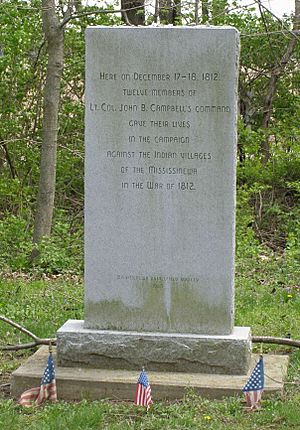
<point>143,379</point>
<point>256,380</point>
<point>49,374</point>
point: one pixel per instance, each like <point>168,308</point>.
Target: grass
<point>267,299</point>
<point>192,412</point>
<point>268,296</point>
<point>42,305</point>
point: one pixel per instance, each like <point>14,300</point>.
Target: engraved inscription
<point>158,278</point>
<point>163,112</point>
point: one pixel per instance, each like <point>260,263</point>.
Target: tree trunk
<point>54,35</point>
<point>169,11</point>
<point>205,11</point>
<point>276,72</point>
<point>166,11</point>
<point>177,12</point>
<point>135,13</point>
<point>9,160</point>
<point>197,12</point>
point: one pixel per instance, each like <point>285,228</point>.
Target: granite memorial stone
<point>161,111</point>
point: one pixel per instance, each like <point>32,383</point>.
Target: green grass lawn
<point>192,412</point>
<point>267,299</point>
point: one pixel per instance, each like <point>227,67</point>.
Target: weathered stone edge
<point>156,351</point>
<point>95,384</point>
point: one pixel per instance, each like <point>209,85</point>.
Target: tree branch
<point>9,160</point>
<point>276,72</point>
<point>53,341</point>
<point>70,7</point>
<point>276,340</point>
<point>30,345</point>
<point>126,19</point>
<point>37,340</point>
<point>293,33</point>
<point>18,326</point>
<point>97,12</point>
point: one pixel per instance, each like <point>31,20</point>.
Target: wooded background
<point>42,124</point>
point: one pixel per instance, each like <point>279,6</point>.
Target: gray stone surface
<point>94,384</point>
<point>225,354</point>
<point>160,179</point>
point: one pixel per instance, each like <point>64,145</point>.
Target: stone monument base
<point>162,352</point>
<point>94,384</point>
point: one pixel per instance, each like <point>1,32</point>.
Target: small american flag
<point>46,391</point>
<point>255,385</point>
<point>143,391</point>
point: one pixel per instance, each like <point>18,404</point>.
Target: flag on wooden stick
<point>143,391</point>
<point>46,391</point>
<point>255,385</point>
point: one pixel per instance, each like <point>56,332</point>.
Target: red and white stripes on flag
<point>255,385</point>
<point>143,391</point>
<point>37,395</point>
<point>46,391</point>
<point>253,398</point>
<point>143,395</point>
